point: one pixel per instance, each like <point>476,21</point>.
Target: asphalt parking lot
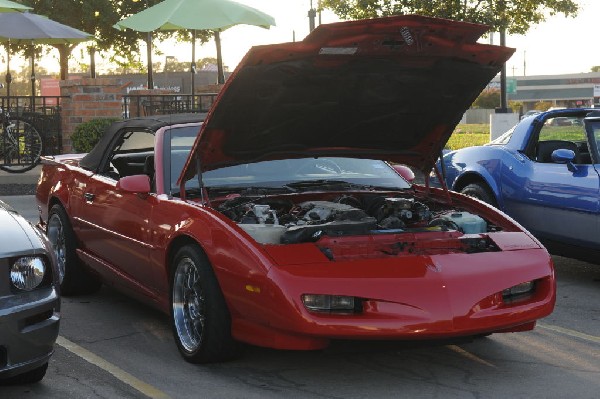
<point>113,347</point>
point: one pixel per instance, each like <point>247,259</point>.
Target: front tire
<point>200,318</point>
<point>74,279</point>
<point>479,191</point>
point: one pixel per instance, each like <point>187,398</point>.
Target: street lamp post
<point>193,65</point>
<point>503,100</point>
<point>312,14</point>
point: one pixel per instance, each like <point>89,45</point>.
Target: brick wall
<point>88,99</point>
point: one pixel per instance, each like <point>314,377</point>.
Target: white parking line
<point>117,372</point>
<point>469,355</point>
<point>571,333</point>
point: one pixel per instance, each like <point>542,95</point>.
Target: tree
<point>542,105</point>
<point>204,62</point>
<point>173,65</point>
<point>21,83</point>
<point>97,18</point>
<point>596,68</point>
<point>515,16</point>
<point>487,99</point>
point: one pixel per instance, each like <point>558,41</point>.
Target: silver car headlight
<point>27,272</point>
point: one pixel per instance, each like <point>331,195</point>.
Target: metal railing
<point>43,113</point>
<point>136,105</point>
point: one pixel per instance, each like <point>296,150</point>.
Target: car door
<point>114,225</point>
<point>557,201</point>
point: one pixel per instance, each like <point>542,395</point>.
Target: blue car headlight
<point>27,272</point>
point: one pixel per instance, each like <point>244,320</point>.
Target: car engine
<point>280,221</point>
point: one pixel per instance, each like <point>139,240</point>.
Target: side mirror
<point>564,156</point>
<point>405,172</point>
<point>137,184</point>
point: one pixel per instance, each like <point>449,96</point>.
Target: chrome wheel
<point>189,310</point>
<point>56,236</point>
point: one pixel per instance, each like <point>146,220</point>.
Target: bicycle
<point>20,144</point>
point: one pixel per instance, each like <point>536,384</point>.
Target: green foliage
<point>174,65</point>
<point>516,16</point>
<point>542,105</point>
<point>87,134</point>
<point>97,17</point>
<point>595,68</point>
<point>487,99</point>
<point>516,106</point>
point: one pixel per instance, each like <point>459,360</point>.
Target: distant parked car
<point>542,174</point>
<point>530,113</point>
<point>29,300</point>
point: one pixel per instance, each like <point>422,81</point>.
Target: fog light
<point>519,291</point>
<point>328,303</point>
<point>27,273</point>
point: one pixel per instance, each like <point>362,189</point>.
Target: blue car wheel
<point>479,191</point>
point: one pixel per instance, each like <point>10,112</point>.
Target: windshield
<point>504,138</point>
<point>303,174</point>
<point>289,174</point>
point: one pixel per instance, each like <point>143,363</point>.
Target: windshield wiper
<point>250,190</point>
<point>334,185</point>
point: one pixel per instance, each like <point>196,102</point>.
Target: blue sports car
<point>544,173</point>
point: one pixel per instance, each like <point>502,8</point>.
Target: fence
<point>136,105</point>
<point>43,112</point>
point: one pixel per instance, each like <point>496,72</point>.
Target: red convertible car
<point>283,223</point>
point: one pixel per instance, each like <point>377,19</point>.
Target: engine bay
<point>394,223</point>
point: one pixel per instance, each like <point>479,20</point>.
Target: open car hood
<point>389,88</point>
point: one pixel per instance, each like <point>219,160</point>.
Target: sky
<point>558,46</point>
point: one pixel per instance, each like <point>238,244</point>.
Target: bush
<point>87,134</point>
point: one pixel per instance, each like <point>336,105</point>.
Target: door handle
<point>89,197</point>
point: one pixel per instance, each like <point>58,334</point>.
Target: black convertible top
<point>94,158</point>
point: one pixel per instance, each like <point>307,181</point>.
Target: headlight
<point>27,273</point>
<point>518,292</point>
<point>330,303</point>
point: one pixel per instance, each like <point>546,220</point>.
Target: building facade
<point>570,90</point>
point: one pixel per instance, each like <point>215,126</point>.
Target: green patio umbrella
<point>215,15</point>
<point>29,28</point>
<point>11,6</point>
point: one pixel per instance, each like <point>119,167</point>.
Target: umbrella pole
<point>32,77</point>
<point>8,77</point>
<point>92,62</point>
<point>220,75</point>
<point>193,65</point>
<point>149,55</point>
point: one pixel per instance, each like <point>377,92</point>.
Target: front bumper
<point>29,323</point>
<point>436,297</point>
